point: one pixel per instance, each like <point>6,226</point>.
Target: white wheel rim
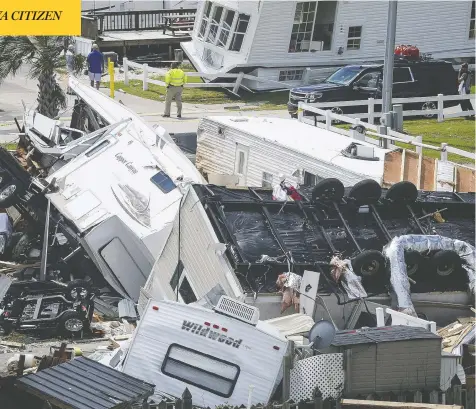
<point>7,192</point>
<point>428,106</point>
<point>73,325</point>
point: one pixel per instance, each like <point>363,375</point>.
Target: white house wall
<point>203,267</point>
<point>216,154</point>
<point>194,48</point>
<point>438,27</point>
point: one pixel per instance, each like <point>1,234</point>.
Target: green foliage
<point>43,55</point>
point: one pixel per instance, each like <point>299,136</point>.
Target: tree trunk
<point>50,97</point>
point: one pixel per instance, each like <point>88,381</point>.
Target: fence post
<point>371,111</point>
<point>380,317</point>
<point>444,153</point>
<point>383,141</point>
<point>328,119</point>
<point>434,397</point>
<point>250,396</point>
<point>110,65</point>
<point>145,86</point>
<point>186,399</point>
<point>126,71</point>
<point>441,116</point>
<point>236,88</point>
<point>419,149</point>
<point>457,398</point>
<point>300,112</point>
<point>305,76</point>
<point>398,117</point>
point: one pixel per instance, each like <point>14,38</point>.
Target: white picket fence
<point>381,132</point>
<point>234,86</point>
<point>437,101</point>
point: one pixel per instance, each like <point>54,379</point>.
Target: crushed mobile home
<point>109,228</point>
<point>242,240</point>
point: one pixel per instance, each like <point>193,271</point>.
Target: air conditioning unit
<point>365,151</point>
<point>238,310</point>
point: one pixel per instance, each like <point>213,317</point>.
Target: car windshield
<point>344,76</point>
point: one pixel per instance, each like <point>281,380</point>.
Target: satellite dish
<point>321,334</point>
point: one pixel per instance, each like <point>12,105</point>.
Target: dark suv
<point>420,78</point>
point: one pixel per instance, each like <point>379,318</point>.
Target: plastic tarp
<point>395,252</point>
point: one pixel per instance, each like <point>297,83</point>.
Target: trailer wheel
<point>413,260</point>
<point>446,262</point>
<point>7,194</point>
<point>77,289</point>
<point>366,192</point>
<point>70,322</point>
<point>369,263</point>
<point>328,190</point>
<point>402,192</point>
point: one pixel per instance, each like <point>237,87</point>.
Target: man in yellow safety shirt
<point>175,79</point>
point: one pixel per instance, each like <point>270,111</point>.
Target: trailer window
<point>163,182</point>
<point>201,370</point>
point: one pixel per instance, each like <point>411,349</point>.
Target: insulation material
<point>342,271</point>
<point>395,250</point>
<point>289,285</point>
<point>323,371</point>
<point>292,324</point>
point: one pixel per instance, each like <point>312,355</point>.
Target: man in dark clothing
<point>464,88</point>
<point>95,66</point>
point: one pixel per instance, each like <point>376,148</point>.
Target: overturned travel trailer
<point>244,240</point>
<point>104,204</point>
<point>216,354</point>
<point>248,151</point>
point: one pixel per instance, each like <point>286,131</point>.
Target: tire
<point>328,190</point>
<point>294,116</point>
<point>77,288</point>
<point>71,322</point>
<point>338,111</point>
<point>21,248</point>
<point>8,194</point>
<point>365,192</point>
<point>369,263</point>
<point>413,260</point>
<point>402,192</point>
<point>427,106</point>
<point>446,262</point>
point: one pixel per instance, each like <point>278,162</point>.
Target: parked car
<point>411,78</point>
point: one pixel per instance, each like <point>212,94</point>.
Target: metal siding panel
<point>363,369</point>
<point>202,266</point>
<point>259,363</point>
<point>409,365</point>
<point>85,384</point>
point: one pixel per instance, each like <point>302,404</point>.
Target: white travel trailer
<point>122,193</point>
<point>216,354</point>
<point>278,40</point>
<point>253,151</point>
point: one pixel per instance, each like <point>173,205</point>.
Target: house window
<point>184,288</point>
<point>291,75</point>
<point>226,27</point>
<point>202,370</point>
<point>267,180</point>
<point>214,24</point>
<point>205,18</point>
<point>471,21</point>
<point>302,27</point>
<point>239,33</point>
<point>354,38</point>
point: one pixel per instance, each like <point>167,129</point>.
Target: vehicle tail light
<point>207,324</point>
<point>155,308</point>
<point>224,329</point>
<point>216,326</point>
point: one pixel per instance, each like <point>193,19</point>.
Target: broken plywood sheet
<point>410,170</point>
<point>465,179</point>
<point>427,178</point>
<point>392,168</point>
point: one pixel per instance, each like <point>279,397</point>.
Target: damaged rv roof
<point>265,236</point>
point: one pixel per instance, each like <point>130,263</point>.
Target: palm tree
<point>42,54</point>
